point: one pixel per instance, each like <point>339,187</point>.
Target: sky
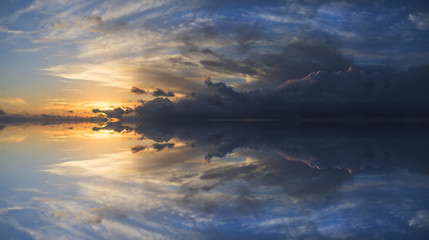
<point>314,57</point>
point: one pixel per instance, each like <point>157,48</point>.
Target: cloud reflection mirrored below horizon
<point>218,180</point>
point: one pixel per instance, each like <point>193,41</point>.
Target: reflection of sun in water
<point>107,134</point>
<point>72,107</point>
<point>82,131</point>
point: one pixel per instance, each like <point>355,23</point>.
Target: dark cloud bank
<point>352,93</point>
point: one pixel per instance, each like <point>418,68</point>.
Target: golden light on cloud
<point>12,100</point>
<point>113,74</point>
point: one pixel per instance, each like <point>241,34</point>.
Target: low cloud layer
<point>352,93</point>
<point>115,113</point>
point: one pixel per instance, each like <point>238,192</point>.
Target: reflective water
<point>214,181</point>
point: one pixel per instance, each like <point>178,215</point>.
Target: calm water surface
<point>214,181</point>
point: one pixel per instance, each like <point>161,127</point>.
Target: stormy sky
<point>223,59</point>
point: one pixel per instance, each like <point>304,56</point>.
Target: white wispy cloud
<point>420,19</point>
<point>36,49</point>
<point>109,73</point>
<point>114,51</point>
<point>5,210</point>
<point>5,30</point>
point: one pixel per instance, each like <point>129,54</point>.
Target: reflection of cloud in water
<point>115,126</point>
<point>81,132</point>
<point>273,181</point>
<point>295,178</point>
<point>13,139</point>
<point>354,147</point>
<point>131,195</point>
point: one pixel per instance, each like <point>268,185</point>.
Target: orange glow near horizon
<point>83,108</point>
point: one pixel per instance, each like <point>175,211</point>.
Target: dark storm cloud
<point>298,59</point>
<point>137,149</point>
<point>2,112</point>
<point>162,146</point>
<point>351,93</point>
<point>115,113</point>
<point>237,53</point>
<point>137,90</point>
<point>161,93</point>
<point>295,60</point>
